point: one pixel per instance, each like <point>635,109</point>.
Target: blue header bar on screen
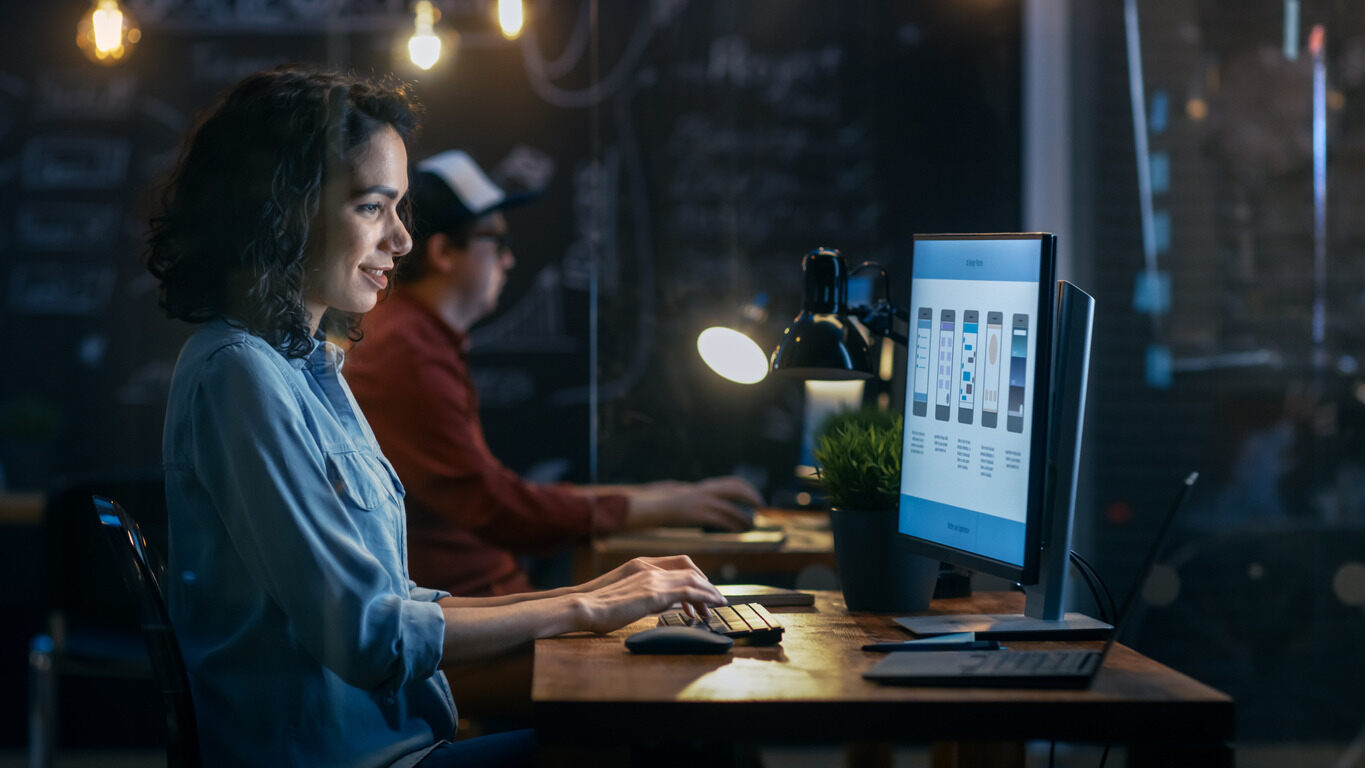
<point>1012,259</point>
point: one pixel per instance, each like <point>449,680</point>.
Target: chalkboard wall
<point>691,152</point>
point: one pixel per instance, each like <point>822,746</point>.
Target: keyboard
<point>996,669</point>
<point>745,623</point>
<point>1035,663</point>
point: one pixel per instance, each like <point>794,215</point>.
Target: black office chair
<point>90,646</point>
<point>143,573</point>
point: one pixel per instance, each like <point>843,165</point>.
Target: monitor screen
<point>975,406</point>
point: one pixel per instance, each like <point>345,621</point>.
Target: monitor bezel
<point>1035,517</point>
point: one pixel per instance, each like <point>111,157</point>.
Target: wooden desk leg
<point>973,754</point>
<point>1179,755</point>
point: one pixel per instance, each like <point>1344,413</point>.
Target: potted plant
<point>858,457</point>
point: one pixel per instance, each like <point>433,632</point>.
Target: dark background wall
<point>1262,590</point>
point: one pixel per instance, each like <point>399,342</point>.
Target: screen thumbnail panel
<point>968,479</point>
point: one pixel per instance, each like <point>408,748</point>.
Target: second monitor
<point>989,493</point>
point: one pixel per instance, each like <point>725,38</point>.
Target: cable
<point>1104,755</point>
<point>1107,606</point>
<point>1090,582</point>
<point>1113,605</point>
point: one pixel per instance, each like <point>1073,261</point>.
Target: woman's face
<point>358,234</point>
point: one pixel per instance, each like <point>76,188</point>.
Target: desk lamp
<point>821,343</point>
<point>730,350</point>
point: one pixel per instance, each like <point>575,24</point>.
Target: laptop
<point>1021,669</point>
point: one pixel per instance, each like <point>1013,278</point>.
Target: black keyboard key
<point>746,623</point>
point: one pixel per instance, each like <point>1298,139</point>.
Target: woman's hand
<point>638,565</point>
<point>644,586</point>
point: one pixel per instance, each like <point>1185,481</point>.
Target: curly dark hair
<point>234,231</point>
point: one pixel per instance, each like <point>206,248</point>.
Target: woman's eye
<point>369,208</point>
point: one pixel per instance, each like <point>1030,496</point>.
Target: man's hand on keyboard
<point>721,503</point>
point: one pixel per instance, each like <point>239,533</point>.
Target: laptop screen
<point>970,394</point>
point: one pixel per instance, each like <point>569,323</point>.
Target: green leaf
<point>859,458</point>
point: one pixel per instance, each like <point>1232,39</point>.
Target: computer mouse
<point>745,511</point>
<point>678,640</point>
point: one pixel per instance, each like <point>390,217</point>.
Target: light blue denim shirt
<point>305,641</point>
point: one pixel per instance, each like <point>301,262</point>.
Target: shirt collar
<point>315,344</point>
<point>324,357</point>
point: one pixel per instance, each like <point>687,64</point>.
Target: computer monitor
<point>995,389</point>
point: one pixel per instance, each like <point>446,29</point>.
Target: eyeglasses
<point>499,239</point>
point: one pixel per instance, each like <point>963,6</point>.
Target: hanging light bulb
<point>107,33</point>
<point>510,17</point>
<point>424,47</point>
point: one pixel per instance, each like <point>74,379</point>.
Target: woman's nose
<point>400,242</point>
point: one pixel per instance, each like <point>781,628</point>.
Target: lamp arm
<point>878,316</point>
<point>878,319</point>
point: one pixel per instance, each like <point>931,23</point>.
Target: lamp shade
<point>821,343</point>
<point>733,355</point>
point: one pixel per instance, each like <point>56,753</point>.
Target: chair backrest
<point>143,573</point>
<point>73,550</point>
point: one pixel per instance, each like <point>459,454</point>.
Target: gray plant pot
<point>877,569</point>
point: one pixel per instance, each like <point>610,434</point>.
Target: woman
<point>305,641</point>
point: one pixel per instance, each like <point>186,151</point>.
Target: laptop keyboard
<point>1034,663</point>
<point>745,623</point>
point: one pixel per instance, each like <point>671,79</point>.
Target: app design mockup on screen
<point>966,383</point>
<point>1018,373</point>
<point>965,482</point>
<point>923,335</point>
<point>990,377</point>
<point>943,393</point>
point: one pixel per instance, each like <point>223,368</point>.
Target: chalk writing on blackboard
<point>85,94</point>
<point>148,384</point>
<point>92,349</point>
<point>534,324</point>
<point>66,226</point>
<point>63,161</point>
<point>595,205</point>
<point>60,288</point>
<point>503,387</point>
<point>215,62</point>
<point>525,168</point>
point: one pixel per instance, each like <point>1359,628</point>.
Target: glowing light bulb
<point>424,47</point>
<point>732,355</point>
<point>510,17</point>
<point>106,34</point>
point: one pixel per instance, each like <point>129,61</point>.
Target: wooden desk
<point>21,508</point>
<point>809,542</point>
<point>590,690</point>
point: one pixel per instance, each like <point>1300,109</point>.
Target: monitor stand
<point>1044,617</point>
<point>1010,626</point>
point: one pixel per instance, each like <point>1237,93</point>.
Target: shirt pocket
<point>394,483</point>
<point>354,480</point>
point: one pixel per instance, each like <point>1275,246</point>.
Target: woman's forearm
<point>476,631</point>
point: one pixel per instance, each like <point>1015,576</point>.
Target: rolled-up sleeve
<point>268,476</point>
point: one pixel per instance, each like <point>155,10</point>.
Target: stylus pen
<point>955,645</point>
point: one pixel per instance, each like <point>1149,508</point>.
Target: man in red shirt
<point>468,515</point>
